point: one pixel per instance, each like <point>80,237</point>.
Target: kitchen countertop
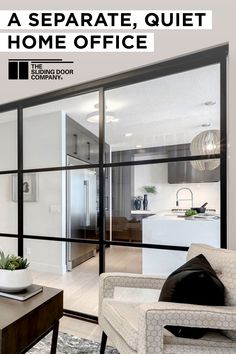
<point>166,228</point>
<point>145,212</point>
<point>173,217</point>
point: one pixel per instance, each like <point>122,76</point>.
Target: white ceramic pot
<point>15,280</point>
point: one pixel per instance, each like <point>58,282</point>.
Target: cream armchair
<point>135,327</point>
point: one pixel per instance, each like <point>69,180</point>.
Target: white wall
<point>8,161</point>
<point>44,145</point>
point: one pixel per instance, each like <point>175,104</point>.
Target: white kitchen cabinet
<point>174,231</point>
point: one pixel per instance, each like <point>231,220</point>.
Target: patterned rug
<point>68,344</point>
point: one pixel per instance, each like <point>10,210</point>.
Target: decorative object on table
<point>30,187</point>
<point>25,294</point>
<point>147,190</point>
<point>69,344</point>
<point>206,143</point>
<point>145,202</point>
<point>138,202</point>
<point>15,275</point>
<point>201,209</point>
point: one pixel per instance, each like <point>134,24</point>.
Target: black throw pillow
<point>195,282</point>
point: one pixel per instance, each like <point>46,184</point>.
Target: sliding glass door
<point>159,127</point>
<point>98,177</point>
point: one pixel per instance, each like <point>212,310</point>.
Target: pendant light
<point>93,117</point>
<point>206,143</point>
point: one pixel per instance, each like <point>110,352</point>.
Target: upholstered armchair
<point>138,327</point>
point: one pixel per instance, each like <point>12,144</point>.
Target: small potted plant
<point>15,275</point>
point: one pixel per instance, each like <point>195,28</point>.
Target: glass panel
<point>161,117</point>
<point>161,262</point>
<point>148,204</point>
<point>57,129</point>
<point>61,204</point>
<point>141,261</point>
<point>8,245</point>
<point>124,259</point>
<point>8,140</point>
<point>50,262</point>
<point>8,204</point>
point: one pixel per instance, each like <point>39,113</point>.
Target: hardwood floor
<point>81,284</point>
<point>81,329</point>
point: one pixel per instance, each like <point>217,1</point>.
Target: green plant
<point>11,262</point>
<point>190,212</point>
<point>150,189</point>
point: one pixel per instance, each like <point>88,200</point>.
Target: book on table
<point>25,294</point>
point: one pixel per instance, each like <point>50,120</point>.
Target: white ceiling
<point>164,111</point>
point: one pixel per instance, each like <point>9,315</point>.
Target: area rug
<point>68,344</point>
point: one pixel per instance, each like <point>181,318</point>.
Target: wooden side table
<point>23,324</point>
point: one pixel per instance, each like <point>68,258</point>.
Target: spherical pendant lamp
<point>206,143</point>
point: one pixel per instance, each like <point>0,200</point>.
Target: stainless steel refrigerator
<point>81,212</point>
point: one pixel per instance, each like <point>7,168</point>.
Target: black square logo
<point>18,70</point>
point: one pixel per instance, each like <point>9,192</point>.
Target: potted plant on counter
<point>15,275</point>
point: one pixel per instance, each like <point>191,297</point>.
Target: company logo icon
<point>18,70</point>
<point>39,69</point>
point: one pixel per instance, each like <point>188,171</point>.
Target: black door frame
<point>168,67</point>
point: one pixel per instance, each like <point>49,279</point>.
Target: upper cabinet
<point>185,171</point>
<point>81,143</point>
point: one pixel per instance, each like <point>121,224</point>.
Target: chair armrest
<point>153,317</point>
<point>108,282</point>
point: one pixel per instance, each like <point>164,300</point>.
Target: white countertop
<point>145,212</point>
<point>173,217</point>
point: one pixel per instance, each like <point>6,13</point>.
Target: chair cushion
<point>195,282</point>
<point>123,317</point>
<point>224,263</point>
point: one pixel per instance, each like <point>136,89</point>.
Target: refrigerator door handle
<point>86,194</point>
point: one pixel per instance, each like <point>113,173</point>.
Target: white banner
<point>77,42</point>
<point>105,19</point>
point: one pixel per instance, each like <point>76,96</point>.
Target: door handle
<point>86,190</point>
<point>88,143</point>
<point>76,144</point>
<point>106,203</point>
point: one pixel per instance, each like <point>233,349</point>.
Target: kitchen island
<point>174,231</point>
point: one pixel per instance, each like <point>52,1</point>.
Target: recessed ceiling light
<point>206,125</point>
<point>138,146</point>
<point>209,103</point>
<point>128,134</point>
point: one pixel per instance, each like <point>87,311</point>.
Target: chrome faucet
<point>177,195</point>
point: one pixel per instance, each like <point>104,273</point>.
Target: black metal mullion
<point>223,152</point>
<point>20,181</point>
<point>80,316</point>
<point>119,164</point>
<point>101,182</point>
